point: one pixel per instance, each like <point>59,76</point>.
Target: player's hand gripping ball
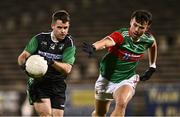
<point>36,66</point>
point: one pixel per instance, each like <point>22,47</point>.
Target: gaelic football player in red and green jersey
<point>48,94</point>
<point>118,79</point>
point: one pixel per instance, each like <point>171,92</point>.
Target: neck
<point>135,39</point>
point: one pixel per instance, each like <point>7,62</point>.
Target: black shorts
<point>54,90</point>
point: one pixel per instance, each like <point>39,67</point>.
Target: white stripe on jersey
<point>125,34</point>
<point>111,40</point>
<point>46,32</point>
<point>71,40</point>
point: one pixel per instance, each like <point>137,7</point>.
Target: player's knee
<point>121,104</point>
<point>44,113</point>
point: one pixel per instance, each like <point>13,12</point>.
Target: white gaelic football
<point>36,66</point>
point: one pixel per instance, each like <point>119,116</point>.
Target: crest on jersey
<point>61,46</point>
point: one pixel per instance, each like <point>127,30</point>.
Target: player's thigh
<point>43,107</point>
<point>57,112</point>
<point>102,106</point>
<point>123,94</point>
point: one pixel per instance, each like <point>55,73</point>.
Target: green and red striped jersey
<point>122,59</point>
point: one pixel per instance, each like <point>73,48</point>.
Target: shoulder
<point>69,40</point>
<point>69,37</point>
<point>148,36</point>
<point>123,31</point>
<point>43,35</point>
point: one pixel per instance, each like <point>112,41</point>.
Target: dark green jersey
<point>62,51</point>
<point>121,60</point>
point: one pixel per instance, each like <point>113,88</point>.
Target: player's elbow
<point>21,59</point>
<point>68,69</point>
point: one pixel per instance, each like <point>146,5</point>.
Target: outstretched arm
<point>111,40</point>
<point>99,45</point>
<point>104,43</point>
<point>152,52</point>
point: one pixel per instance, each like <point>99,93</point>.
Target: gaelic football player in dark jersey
<point>47,95</point>
<point>118,79</point>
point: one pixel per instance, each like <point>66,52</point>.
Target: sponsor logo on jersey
<point>128,56</point>
<point>50,55</point>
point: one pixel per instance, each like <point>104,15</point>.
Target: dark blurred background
<point>91,20</point>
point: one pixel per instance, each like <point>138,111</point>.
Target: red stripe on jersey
<point>117,37</point>
<point>125,55</point>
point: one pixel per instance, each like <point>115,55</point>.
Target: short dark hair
<point>142,16</point>
<point>61,15</point>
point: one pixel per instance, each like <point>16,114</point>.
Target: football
<point>36,66</point>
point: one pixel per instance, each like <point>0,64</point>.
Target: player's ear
<point>52,25</point>
<point>130,22</point>
<point>148,27</point>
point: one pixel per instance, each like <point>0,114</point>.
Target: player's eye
<point>135,25</point>
<point>65,27</point>
<point>59,27</point>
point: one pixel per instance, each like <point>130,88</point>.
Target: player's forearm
<point>104,43</point>
<point>153,55</point>
<point>62,67</point>
<point>22,57</point>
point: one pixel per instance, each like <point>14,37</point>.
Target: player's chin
<point>136,36</point>
<point>61,37</point>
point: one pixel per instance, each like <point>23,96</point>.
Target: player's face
<point>137,29</point>
<point>60,29</point>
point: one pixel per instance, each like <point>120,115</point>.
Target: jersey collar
<point>53,38</point>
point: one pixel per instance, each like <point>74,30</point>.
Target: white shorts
<point>104,89</point>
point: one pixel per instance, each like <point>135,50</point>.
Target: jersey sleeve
<point>117,37</point>
<point>32,46</point>
<point>69,55</point>
<point>152,41</point>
